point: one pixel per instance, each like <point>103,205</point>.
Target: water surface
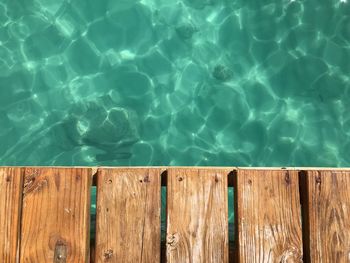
<point>163,82</point>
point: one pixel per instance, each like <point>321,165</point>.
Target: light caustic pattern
<point>163,82</point>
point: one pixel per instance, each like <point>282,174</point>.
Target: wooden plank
<point>56,212</point>
<point>10,209</point>
<point>268,216</point>
<point>128,215</point>
<point>327,216</point>
<point>197,220</point>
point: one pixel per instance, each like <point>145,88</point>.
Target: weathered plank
<point>268,216</point>
<point>197,220</point>
<point>10,208</point>
<point>128,215</point>
<point>55,215</point>
<point>327,216</point>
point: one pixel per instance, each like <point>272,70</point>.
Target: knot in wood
<point>108,254</point>
<point>318,178</point>
<point>287,178</point>
<point>216,178</point>
<point>146,179</point>
<point>60,253</point>
<point>291,255</point>
<point>173,240</point>
<point>34,184</point>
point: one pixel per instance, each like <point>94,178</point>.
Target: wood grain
<point>56,212</point>
<point>328,216</point>
<point>197,220</point>
<point>268,216</point>
<point>128,215</point>
<point>10,209</point>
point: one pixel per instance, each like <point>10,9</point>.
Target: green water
<point>163,82</point>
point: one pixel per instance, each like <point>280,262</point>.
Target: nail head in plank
<point>10,209</point>
<point>197,215</point>
<point>128,215</point>
<point>56,213</point>
<point>328,197</point>
<point>269,217</point>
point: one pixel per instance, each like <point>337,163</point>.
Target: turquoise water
<point>187,82</point>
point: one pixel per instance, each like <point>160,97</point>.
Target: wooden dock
<point>281,215</point>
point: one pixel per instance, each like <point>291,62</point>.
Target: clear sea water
<point>187,82</point>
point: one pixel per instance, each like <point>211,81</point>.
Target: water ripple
<point>189,82</point>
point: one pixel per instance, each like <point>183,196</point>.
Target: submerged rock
<point>186,31</point>
<point>101,125</point>
<point>222,73</point>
